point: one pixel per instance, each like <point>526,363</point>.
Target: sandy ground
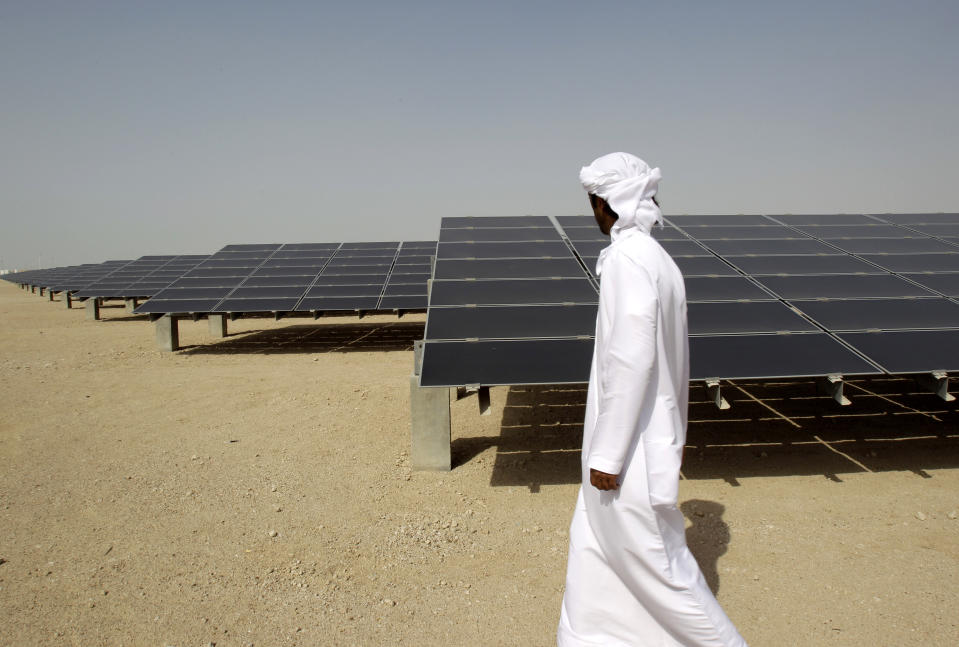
<point>257,491</point>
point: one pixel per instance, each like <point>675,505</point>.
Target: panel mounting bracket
<point>482,396</point>
<point>832,385</point>
<point>713,393</point>
<point>938,383</point>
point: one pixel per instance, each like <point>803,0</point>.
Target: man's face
<point>605,216</point>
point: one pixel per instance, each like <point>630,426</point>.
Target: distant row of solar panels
<point>769,296</point>
<point>301,277</point>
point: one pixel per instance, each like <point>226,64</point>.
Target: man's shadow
<point>708,538</point>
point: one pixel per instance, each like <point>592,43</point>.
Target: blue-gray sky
<point>131,128</point>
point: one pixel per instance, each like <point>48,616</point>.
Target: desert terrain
<point>256,490</point>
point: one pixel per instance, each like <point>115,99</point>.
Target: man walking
<point>631,580</point>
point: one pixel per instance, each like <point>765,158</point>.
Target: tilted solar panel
<point>301,278</point>
<point>769,296</point>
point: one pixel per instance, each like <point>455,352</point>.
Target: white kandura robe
<point>631,580</point>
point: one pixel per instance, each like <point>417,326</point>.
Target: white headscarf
<point>628,185</point>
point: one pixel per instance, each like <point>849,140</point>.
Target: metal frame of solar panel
<point>298,279</point>
<point>769,297</point>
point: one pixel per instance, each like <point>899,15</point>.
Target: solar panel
<point>772,356</point>
<point>882,314</point>
<point>914,351</point>
<point>141,278</point>
<point>909,219</point>
<point>769,296</point>
<point>801,265</point>
<point>726,232</point>
<point>769,247</point>
<point>301,278</point>
<point>948,262</point>
<point>943,283</point>
<point>723,288</point>
<point>877,230</point>
<point>842,286</point>
<point>825,219</point>
<point>522,361</point>
<point>74,279</point>
<point>739,318</point>
<point>893,245</point>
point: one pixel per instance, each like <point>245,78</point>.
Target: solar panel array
<point>301,277</point>
<point>769,296</point>
<point>141,278</point>
<point>66,278</point>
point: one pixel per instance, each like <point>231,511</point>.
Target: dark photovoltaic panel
<point>916,262</point>
<point>83,276</point>
<point>909,219</point>
<point>46,276</point>
<point>944,283</point>
<point>825,219</point>
<point>143,277</point>
<point>883,314</point>
<point>302,277</point>
<point>724,288</point>
<point>495,303</point>
<point>797,265</point>
<point>519,268</point>
<point>769,296</point>
<point>733,317</point>
<point>842,286</point>
<point>770,356</point>
<point>831,232</point>
<point>769,247</point>
<point>512,322</point>
<point>516,361</point>
<point>912,351</point>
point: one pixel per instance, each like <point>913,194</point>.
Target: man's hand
<point>602,480</point>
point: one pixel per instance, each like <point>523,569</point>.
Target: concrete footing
<point>67,299</point>
<point>168,333</point>
<point>93,308</point>
<point>430,422</point>
<point>50,295</point>
<point>217,325</point>
<point>131,304</point>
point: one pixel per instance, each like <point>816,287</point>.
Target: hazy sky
<point>131,128</point>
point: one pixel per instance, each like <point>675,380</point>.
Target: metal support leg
<point>217,325</point>
<point>482,396</point>
<point>131,304</point>
<point>67,299</point>
<point>714,393</point>
<point>42,289</point>
<point>831,385</point>
<point>93,309</point>
<point>33,289</point>
<point>430,418</point>
<point>938,383</point>
<point>50,295</point>
<point>168,333</point>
